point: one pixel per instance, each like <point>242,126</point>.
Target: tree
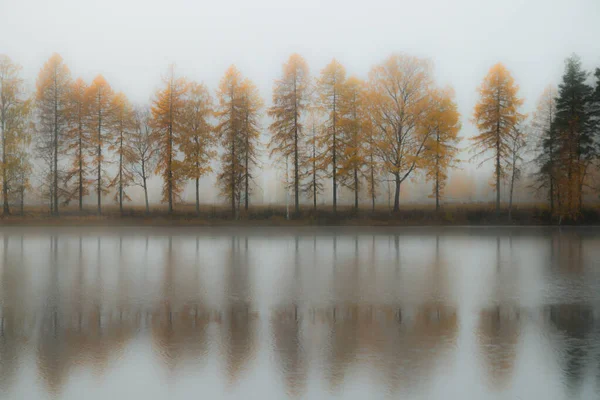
<point>371,149</point>
<point>251,105</point>
<point>400,96</point>
<point>14,129</point>
<point>290,99</point>
<point>52,101</point>
<point>143,151</point>
<point>20,174</point>
<point>99,97</point>
<point>311,163</point>
<point>576,142</point>
<point>496,115</point>
<point>443,125</point>
<point>329,87</point>
<point>167,118</point>
<point>229,114</point>
<point>352,157</point>
<point>517,147</point>
<point>78,142</point>
<point>122,125</point>
<point>547,146</point>
<point>198,142</point>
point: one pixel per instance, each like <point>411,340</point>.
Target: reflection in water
<point>239,321</point>
<point>325,312</point>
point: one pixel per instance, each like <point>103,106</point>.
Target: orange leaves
<point>496,115</point>
<point>197,141</point>
<point>238,131</point>
<point>167,120</point>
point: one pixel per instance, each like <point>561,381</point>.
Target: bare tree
<point>143,151</point>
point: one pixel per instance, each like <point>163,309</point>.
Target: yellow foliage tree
<point>290,99</point>
<point>330,86</point>
<point>496,116</point>
<point>352,156</point>
<point>99,97</point>
<point>311,168</point>
<point>443,125</point>
<point>15,110</point>
<point>251,106</point>
<point>78,142</point>
<point>198,142</point>
<point>400,95</point>
<point>168,114</point>
<point>52,101</point>
<point>122,127</point>
<point>228,130</point>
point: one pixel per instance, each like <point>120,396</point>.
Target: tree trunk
<point>4,175</point>
<point>355,189</point>
<point>510,196</point>
<point>296,167</point>
<point>334,160</point>
<point>498,171</point>
<point>99,151</point>
<point>197,196</point>
<point>397,192</point>
<point>22,202</point>
<point>146,195</point>
<point>233,138</point>
<point>170,150</point>
<point>246,171</point>
<point>80,149</point>
<point>437,174</point>
<point>121,173</point>
<point>55,183</point>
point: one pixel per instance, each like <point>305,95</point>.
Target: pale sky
<point>132,42</point>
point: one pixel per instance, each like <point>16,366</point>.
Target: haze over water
<point>155,313</point>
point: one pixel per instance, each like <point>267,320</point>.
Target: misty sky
<point>132,42</point>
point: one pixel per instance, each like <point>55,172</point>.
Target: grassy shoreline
<point>409,215</point>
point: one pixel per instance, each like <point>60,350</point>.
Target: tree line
<point>358,133</point>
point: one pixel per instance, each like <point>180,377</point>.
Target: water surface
<point>482,313</point>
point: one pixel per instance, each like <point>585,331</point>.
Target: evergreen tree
<point>576,144</point>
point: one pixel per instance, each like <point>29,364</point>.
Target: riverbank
<point>452,215</point>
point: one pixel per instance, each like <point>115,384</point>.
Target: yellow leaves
<point>167,122</point>
<point>497,113</point>
<point>196,141</point>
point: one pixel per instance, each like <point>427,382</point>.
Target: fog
<point>132,42</point>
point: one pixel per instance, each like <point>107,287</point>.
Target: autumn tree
<point>20,174</point>
<point>52,101</point>
<point>547,146</point>
<point>443,125</point>
<point>78,141</point>
<point>99,97</point>
<point>352,155</point>
<point>290,99</point>
<point>576,140</point>
<point>496,116</point>
<point>143,151</point>
<point>167,119</point>
<point>251,105</point>
<point>14,130</point>
<point>197,144</point>
<point>228,130</point>
<point>311,163</point>
<point>400,90</point>
<point>516,160</point>
<point>121,126</point>
<point>330,86</point>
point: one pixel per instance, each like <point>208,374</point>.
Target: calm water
<point>305,313</point>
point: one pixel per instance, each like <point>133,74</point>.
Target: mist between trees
<point>371,138</point>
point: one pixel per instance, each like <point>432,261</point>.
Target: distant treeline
<point>359,133</point>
